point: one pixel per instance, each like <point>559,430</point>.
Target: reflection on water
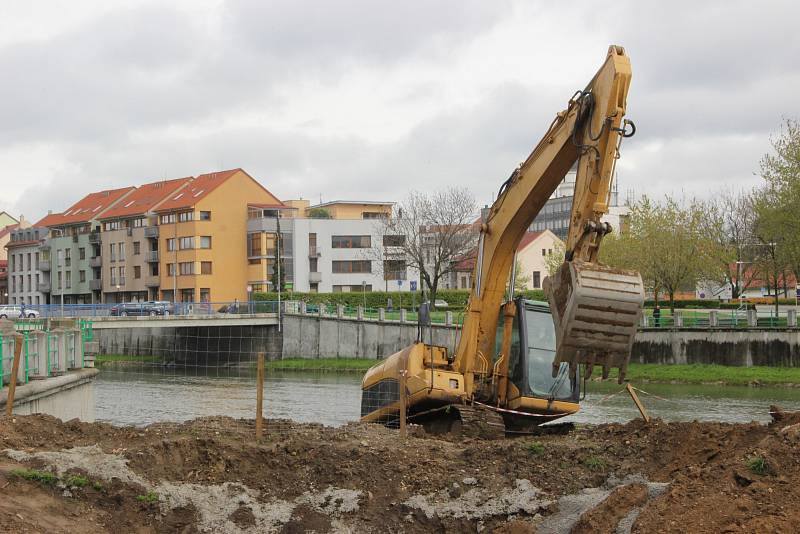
<point>145,395</point>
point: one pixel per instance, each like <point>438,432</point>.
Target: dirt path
<point>209,475</point>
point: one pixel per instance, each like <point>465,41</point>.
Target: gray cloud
<point>148,92</point>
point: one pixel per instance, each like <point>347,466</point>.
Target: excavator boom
<point>594,321</point>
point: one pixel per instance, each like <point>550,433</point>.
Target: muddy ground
<point>209,475</point>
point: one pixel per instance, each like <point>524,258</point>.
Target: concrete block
<point>448,318</point>
<point>713,318</point>
<point>360,313</point>
<point>339,311</point>
<point>677,319</point>
<point>752,318</point>
<point>381,314</point>
<point>302,307</point>
<point>791,318</point>
<point>403,316</point>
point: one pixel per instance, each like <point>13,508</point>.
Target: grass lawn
<point>637,372</point>
<point>701,373</point>
<point>105,358</point>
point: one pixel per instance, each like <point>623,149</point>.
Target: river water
<point>148,395</point>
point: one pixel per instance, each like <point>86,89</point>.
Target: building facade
<point>28,267</point>
<point>532,254</point>
<point>75,248</point>
<point>130,243</point>
<point>341,249</point>
<point>203,237</point>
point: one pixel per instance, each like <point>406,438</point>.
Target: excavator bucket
<point>596,310</point>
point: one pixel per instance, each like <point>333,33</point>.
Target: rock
<point>470,481</point>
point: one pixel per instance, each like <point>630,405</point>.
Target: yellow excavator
<point>518,363</point>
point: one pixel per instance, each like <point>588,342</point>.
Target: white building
<point>342,253</point>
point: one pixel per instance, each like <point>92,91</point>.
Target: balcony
<point>95,285</point>
<point>314,252</point>
<point>96,261</point>
<point>315,278</point>
<point>43,287</point>
<point>151,231</point>
<point>44,265</point>
<point>94,238</point>
<point>152,281</point>
<point>152,256</point>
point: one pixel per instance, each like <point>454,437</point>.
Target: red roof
<point>528,238</point>
<point>8,229</point>
<point>89,207</point>
<point>198,189</point>
<point>145,198</point>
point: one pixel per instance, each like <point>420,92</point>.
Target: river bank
<point>211,475</point>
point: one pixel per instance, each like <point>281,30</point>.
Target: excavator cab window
<point>531,369</point>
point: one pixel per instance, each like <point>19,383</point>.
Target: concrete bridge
<point>181,321</point>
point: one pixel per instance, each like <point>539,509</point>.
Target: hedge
<point>456,298</point>
<point>714,304</point>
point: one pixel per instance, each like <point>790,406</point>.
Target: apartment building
<point>203,237</point>
<point>332,247</point>
<point>3,281</point>
<point>28,266</point>
<point>75,245</point>
<point>129,259</point>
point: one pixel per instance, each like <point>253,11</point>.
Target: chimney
<point>484,213</point>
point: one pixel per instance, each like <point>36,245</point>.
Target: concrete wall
<point>310,336</point>
<point>777,348</point>
<point>67,397</point>
<point>198,345</point>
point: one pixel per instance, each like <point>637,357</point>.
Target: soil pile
<point>210,475</point>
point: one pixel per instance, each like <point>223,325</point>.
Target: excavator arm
<point>595,309</point>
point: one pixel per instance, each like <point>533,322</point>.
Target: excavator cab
<point>529,370</point>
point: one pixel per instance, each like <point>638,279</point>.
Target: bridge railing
<point>32,315</point>
<point>762,317</point>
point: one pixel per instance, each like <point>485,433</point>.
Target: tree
<point>438,232</point>
<point>521,280</point>
<point>778,203</point>
<point>319,213</point>
<point>666,242</point>
<point>553,261</point>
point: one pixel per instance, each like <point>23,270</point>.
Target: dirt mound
<point>211,474</point>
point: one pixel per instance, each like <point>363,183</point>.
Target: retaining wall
<point>67,396</point>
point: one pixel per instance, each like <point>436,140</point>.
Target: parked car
<point>13,311</point>
<point>150,307</point>
<point>440,303</point>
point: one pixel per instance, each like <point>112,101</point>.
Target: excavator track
<point>477,421</point>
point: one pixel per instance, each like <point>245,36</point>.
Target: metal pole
<point>278,263</point>
<point>12,384</point>
<point>403,431</point>
<point>260,396</point>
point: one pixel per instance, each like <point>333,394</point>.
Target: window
<point>373,215</point>
<point>122,276</point>
<point>137,272</point>
<point>537,280</point>
<point>170,269</point>
<point>186,268</point>
<point>171,243</point>
<point>137,248</point>
<point>113,276</point>
<point>352,289</point>
<point>544,252</point>
<point>254,245</point>
<point>549,251</point>
<point>205,267</point>
<point>67,258</point>
<point>81,254</point>
<point>186,243</point>
<point>205,294</point>
<point>205,215</point>
<point>112,225</point>
<point>82,276</point>
<point>187,295</point>
<point>394,269</point>
<point>352,266</point>
<point>351,241</point>
<point>312,265</point>
<point>122,252</point>
<point>394,240</point>
<point>186,216</point>
<point>59,279</point>
<point>205,241</point>
<point>113,249</point>
<point>137,223</point>
<point>168,219</point>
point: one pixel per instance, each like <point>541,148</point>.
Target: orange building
<point>202,237</point>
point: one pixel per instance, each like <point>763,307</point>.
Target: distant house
<point>532,253</point>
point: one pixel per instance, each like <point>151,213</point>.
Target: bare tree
<point>430,233</point>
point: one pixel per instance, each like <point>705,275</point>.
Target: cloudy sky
<point>367,99</point>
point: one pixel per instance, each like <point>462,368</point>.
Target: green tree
<point>319,213</point>
<point>521,280</point>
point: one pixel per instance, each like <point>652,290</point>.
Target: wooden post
<point>402,385</point>
<point>638,403</point>
<point>12,384</point>
<point>260,396</point>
